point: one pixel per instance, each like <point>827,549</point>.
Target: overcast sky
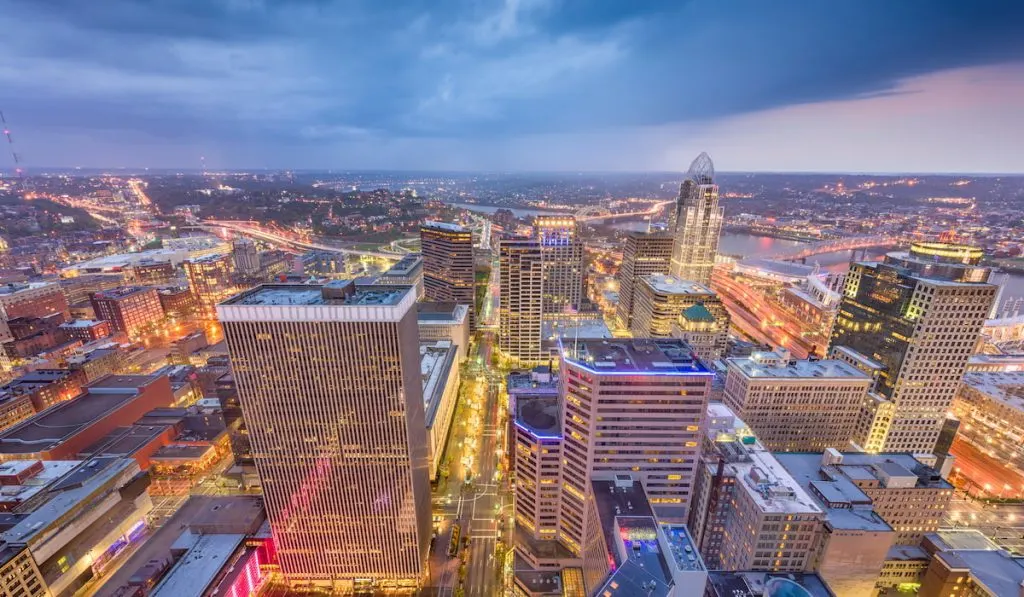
<point>783,85</point>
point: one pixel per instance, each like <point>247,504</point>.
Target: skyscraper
<point>246,256</point>
<point>666,306</point>
<point>643,255</point>
<point>448,274</point>
<point>636,407</point>
<point>562,256</point>
<point>329,382</point>
<point>917,314</point>
<point>696,223</point>
<point>521,310</point>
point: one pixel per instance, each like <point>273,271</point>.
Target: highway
<point>255,231</point>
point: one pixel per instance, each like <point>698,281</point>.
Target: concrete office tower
<point>521,310</point>
<point>562,256</point>
<point>918,313</point>
<point>748,512</point>
<point>643,255</point>
<point>796,406</point>
<point>630,406</point>
<point>329,382</point>
<point>210,279</point>
<point>696,223</point>
<point>246,256</point>
<point>448,274</point>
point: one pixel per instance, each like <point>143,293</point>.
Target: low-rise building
<point>440,372</point>
<point>966,564</point>
<point>45,387</point>
<point>767,584</point>
<point>87,330</point>
<point>408,271</point>
<point>64,430</point>
<point>444,321</point>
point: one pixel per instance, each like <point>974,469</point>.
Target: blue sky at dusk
<point>837,85</point>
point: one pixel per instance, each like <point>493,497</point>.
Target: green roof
<point>698,312</point>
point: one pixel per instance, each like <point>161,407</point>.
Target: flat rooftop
<point>636,356</point>
<point>123,292</point>
<point>569,329</point>
<point>81,324</point>
<point>666,284</point>
<point>436,362</point>
<point>435,313</point>
<point>864,361</point>
<point>799,369</point>
<point>998,571</point>
<point>851,509</point>
<point>405,265</point>
<point>279,295</point>
<point>53,426</point>
<point>446,226</point>
<point>198,568</point>
<point>682,547</point>
<point>539,415</point>
<point>15,288</point>
<point>1003,387</point>
<point>753,584</point>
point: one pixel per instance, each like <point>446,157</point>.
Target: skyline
<point>518,85</point>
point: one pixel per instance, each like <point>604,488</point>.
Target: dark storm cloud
<point>315,71</point>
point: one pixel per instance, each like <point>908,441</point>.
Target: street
<point>475,452</point>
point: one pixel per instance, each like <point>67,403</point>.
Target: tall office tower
<point>666,306</point>
<point>246,256</point>
<point>696,223</point>
<point>448,274</point>
<point>796,406</point>
<point>631,406</point>
<point>520,311</point>
<point>643,255</point>
<point>211,281</point>
<point>329,382</point>
<point>918,313</point>
<point>562,257</point>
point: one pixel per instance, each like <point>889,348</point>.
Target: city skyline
<point>520,85</point>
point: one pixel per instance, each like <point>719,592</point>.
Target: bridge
<point>597,212</point>
<point>256,231</point>
<point>842,244</point>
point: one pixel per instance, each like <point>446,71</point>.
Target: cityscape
<point>512,298</point>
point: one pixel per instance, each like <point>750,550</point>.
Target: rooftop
<point>436,362</point>
<point>405,265</point>
<point>82,323</point>
<point>446,226</point>
<point>123,292</point>
<point>575,328</point>
<point>1006,362</point>
<point>341,293</point>
<point>53,426</point>
<point>198,568</point>
<point>773,366</point>
<point>538,415</point>
<point>666,284</point>
<point>998,571</point>
<point>441,313</point>
<point>1004,387</point>
<point>15,288</point>
<point>767,584</point>
<point>637,356</point>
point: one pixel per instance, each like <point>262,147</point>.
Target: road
<point>255,231</point>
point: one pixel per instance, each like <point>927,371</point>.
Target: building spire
<point>702,170</point>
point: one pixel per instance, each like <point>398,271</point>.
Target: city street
<point>475,451</point>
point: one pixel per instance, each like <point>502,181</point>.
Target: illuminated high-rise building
<point>918,315</point>
<point>666,306</point>
<point>210,279</point>
<point>521,306</point>
<point>643,255</point>
<point>696,223</point>
<point>562,257</point>
<point>330,385</point>
<point>448,274</point>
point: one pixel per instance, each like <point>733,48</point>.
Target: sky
<point>631,85</point>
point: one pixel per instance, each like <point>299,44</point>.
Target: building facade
<point>562,258</point>
<point>210,280</point>
<point>408,270</point>
<point>129,309</point>
<point>329,380</point>
<point>448,271</point>
<point>919,314</point>
<point>696,223</point>
<point>796,405</point>
<point>521,310</point>
<point>642,255</point>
